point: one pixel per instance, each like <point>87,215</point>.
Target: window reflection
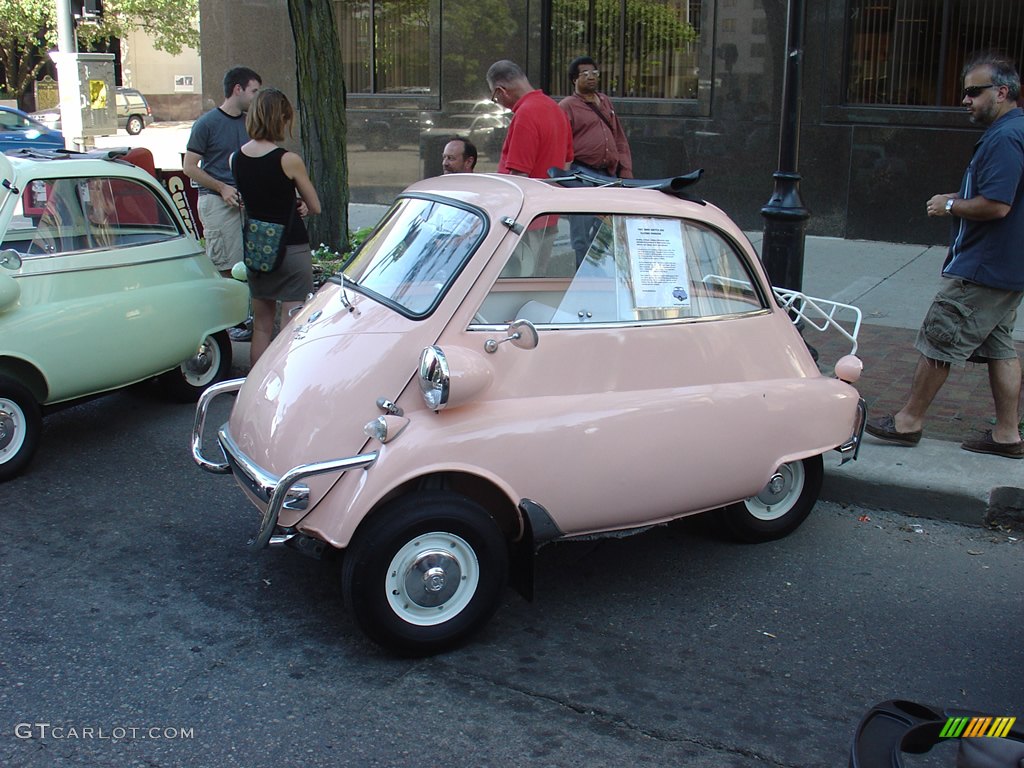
<point>55,216</point>
<point>911,51</point>
<point>630,269</point>
<point>385,45</point>
<point>645,48</point>
<point>415,254</point>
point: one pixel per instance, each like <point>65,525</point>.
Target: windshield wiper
<point>344,295</point>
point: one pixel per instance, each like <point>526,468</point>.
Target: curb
<point>935,479</point>
<point>1006,508</point>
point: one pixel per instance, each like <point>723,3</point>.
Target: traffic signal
<point>86,9</point>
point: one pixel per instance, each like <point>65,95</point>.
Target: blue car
<point>19,131</point>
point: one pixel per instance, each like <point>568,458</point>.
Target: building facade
<point>171,83</point>
<point>697,83</point>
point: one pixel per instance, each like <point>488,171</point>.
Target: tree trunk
<point>20,69</point>
<point>321,87</point>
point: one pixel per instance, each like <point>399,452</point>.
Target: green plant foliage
<point>357,238</point>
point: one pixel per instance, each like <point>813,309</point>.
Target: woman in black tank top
<point>268,178</point>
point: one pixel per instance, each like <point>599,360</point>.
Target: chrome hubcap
<point>199,364</point>
<point>773,490</point>
<point>432,578</point>
<point>197,369</point>
<point>6,430</point>
<point>12,429</point>
<point>779,494</point>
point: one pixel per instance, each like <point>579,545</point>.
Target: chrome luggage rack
<point>821,314</point>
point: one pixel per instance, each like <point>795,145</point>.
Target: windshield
<point>416,253</point>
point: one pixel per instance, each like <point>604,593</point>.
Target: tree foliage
<point>28,31</point>
<point>475,31</point>
<point>173,25</point>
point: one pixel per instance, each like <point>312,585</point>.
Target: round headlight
<point>435,379</point>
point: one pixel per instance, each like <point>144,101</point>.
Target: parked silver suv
<point>133,112</point>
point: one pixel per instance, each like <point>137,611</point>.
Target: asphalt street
<point>137,630</point>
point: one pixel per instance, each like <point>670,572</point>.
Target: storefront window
<point>910,52</point>
<point>644,48</point>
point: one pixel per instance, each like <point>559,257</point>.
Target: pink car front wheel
<point>425,572</point>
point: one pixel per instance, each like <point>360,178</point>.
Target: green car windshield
<point>415,254</point>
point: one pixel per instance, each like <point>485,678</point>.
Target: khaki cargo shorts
<point>222,229</point>
<point>968,322</point>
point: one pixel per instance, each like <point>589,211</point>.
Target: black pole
<point>544,81</point>
<point>782,250</point>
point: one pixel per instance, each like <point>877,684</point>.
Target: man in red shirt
<point>599,143</point>
<point>539,136</point>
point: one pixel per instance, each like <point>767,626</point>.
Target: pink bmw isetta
<point>507,362</point>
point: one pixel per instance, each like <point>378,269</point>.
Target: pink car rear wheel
<point>781,506</point>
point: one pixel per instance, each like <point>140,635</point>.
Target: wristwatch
<point>949,205</point>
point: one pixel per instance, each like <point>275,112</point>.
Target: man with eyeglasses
<point>973,315</point>
<point>598,141</point>
<point>538,137</point>
<point>599,144</point>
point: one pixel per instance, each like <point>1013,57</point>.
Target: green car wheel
<point>21,423</point>
<point>209,365</point>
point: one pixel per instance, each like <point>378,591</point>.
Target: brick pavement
<point>963,408</point>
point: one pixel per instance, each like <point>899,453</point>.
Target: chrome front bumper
<point>285,492</point>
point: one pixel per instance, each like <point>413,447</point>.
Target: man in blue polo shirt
<point>973,314</point>
<point>214,137</point>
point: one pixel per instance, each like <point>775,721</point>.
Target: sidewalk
<point>893,285</point>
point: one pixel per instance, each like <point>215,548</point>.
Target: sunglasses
<point>974,91</point>
<point>494,93</point>
<point>590,73</point>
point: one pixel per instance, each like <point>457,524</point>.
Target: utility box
<point>97,90</point>
<point>88,96</point>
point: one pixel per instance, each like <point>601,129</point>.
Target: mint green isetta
<point>101,286</point>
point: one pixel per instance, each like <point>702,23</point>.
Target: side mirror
<point>10,259</point>
<point>522,334</point>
